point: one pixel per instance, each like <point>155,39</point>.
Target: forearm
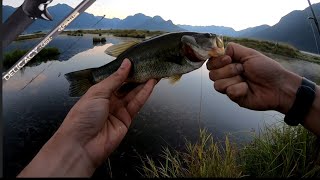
<point>287,97</point>
<point>312,121</point>
<point>59,157</point>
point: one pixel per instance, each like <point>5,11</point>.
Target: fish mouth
<point>212,46</point>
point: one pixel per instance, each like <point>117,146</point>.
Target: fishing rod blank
<point>48,38</point>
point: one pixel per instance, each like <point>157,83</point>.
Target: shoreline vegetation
<point>263,46</point>
<point>276,151</point>
<point>46,54</point>
<point>34,35</point>
<point>120,33</point>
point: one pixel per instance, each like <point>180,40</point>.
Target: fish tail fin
<point>80,82</point>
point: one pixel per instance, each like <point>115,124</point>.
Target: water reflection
<point>32,113</point>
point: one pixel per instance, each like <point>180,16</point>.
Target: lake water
<point>34,112</point>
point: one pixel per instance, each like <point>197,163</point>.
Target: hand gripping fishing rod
<point>48,38</point>
<point>23,17</point>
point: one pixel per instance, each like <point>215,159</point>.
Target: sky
<point>238,14</point>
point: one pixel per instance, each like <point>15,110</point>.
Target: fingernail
<point>239,67</point>
<point>125,64</point>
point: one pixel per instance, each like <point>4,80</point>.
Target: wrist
<point>60,157</point>
<point>288,89</point>
<point>311,122</point>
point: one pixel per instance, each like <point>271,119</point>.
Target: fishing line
<point>76,41</point>
<point>36,77</point>
<point>67,49</point>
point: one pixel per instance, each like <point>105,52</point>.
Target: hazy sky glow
<point>238,14</point>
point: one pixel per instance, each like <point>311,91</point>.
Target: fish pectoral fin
<point>117,49</point>
<point>174,79</point>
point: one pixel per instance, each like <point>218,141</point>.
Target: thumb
<point>115,80</point>
<point>238,52</point>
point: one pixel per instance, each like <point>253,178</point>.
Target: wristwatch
<point>304,98</point>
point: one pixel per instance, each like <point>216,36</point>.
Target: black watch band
<point>304,99</point>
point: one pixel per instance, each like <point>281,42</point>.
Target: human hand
<point>93,128</point>
<point>100,120</point>
<point>253,80</point>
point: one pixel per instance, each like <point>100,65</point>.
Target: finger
<point>123,116</point>
<point>132,94</point>
<point>216,63</point>
<point>227,71</point>
<point>238,52</point>
<point>222,84</point>
<point>126,88</point>
<point>142,96</point>
<point>113,82</point>
<point>237,91</point>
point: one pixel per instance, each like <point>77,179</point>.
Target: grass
<point>277,151</point>
<point>98,39</point>
<point>30,36</point>
<point>44,55</point>
<point>120,33</point>
<point>282,151</point>
<point>274,48</point>
<point>205,158</point>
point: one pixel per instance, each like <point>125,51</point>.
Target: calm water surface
<point>34,112</point>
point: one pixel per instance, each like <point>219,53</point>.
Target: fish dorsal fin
<point>174,79</point>
<point>117,49</point>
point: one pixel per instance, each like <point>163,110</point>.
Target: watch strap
<point>304,99</point>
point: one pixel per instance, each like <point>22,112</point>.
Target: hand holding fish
<point>252,79</point>
<point>257,82</point>
<point>92,130</point>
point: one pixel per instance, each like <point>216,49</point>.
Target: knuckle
<point>232,69</point>
<point>239,79</point>
<point>94,88</point>
<point>98,90</point>
<point>219,87</point>
<point>212,75</point>
<point>117,75</point>
<point>232,93</point>
<point>144,92</point>
<point>137,103</point>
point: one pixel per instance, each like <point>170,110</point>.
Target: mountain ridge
<point>293,28</point>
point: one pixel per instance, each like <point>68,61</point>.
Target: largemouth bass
<point>167,56</point>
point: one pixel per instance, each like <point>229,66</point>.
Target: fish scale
<point>169,55</point>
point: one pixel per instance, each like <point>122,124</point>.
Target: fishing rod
<point>67,49</point>
<point>23,17</point>
<point>75,42</point>
<point>47,39</point>
<point>314,18</point>
<point>314,36</point>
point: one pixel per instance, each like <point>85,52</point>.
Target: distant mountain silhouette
<point>226,31</point>
<point>157,23</point>
<point>86,21</point>
<point>221,30</point>
<point>295,28</point>
<point>7,11</point>
<point>252,30</point>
